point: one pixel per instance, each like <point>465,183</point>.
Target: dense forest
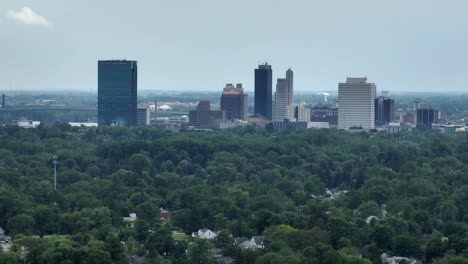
<point>317,196</point>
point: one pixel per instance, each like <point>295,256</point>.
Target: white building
<point>28,123</point>
<point>204,234</point>
<point>283,97</point>
<point>299,113</point>
<point>356,104</point>
<point>143,115</point>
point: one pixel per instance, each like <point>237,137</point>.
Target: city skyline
<point>404,46</point>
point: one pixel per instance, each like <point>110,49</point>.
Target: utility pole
<point>55,162</point>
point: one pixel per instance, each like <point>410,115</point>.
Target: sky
<point>200,45</point>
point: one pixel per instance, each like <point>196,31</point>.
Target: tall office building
<point>290,79</point>
<point>263,91</point>
<point>117,93</point>
<point>234,102</point>
<point>427,116</point>
<point>283,96</point>
<point>384,110</point>
<point>143,115</point>
<point>356,104</point>
<point>281,102</point>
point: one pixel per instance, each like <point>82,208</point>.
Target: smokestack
<point>3,101</point>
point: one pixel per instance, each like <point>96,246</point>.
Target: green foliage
<point>242,182</point>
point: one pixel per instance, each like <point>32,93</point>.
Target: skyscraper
<point>384,110</point>
<point>117,93</point>
<point>283,97</point>
<point>356,104</point>
<point>427,116</point>
<point>280,109</point>
<point>290,79</point>
<point>263,91</point>
<point>234,102</point>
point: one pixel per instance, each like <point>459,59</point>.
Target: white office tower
<point>356,104</point>
<point>283,96</point>
<point>280,111</point>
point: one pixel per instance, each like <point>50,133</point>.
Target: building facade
<point>143,115</point>
<point>427,116</point>
<point>234,102</point>
<point>356,104</point>
<point>117,93</point>
<point>384,110</point>
<point>263,91</point>
<point>299,113</point>
<point>283,98</point>
<point>204,116</point>
<point>281,102</point>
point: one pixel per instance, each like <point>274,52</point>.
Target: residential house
<point>256,242</point>
<point>204,234</point>
<point>164,214</point>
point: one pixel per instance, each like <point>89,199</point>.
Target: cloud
<point>27,16</point>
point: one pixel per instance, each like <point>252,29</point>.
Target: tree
<point>139,162</point>
<point>148,211</point>
<point>198,252</point>
<point>45,218</point>
<point>407,246</point>
<point>10,258</point>
<point>224,239</point>
<point>160,241</point>
<point>21,224</point>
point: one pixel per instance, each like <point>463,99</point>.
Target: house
<point>2,234</point>
<point>164,214</point>
<point>204,234</point>
<point>256,242</point>
<point>130,220</point>
<point>396,260</point>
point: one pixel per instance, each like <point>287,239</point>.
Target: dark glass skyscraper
<point>117,92</point>
<point>384,110</point>
<point>263,91</point>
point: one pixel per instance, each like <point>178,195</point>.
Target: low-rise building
<point>204,116</point>
<point>28,123</point>
<point>204,234</point>
<point>284,125</point>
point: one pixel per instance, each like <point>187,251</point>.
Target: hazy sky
<point>401,45</point>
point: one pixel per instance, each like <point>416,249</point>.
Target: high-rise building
<point>384,110</point>
<point>281,102</point>
<point>290,79</point>
<point>143,115</point>
<point>117,93</point>
<point>3,101</point>
<point>356,104</point>
<point>427,116</point>
<point>204,116</point>
<point>234,102</point>
<point>283,96</point>
<point>263,91</point>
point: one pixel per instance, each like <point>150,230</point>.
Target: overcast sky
<point>401,45</point>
